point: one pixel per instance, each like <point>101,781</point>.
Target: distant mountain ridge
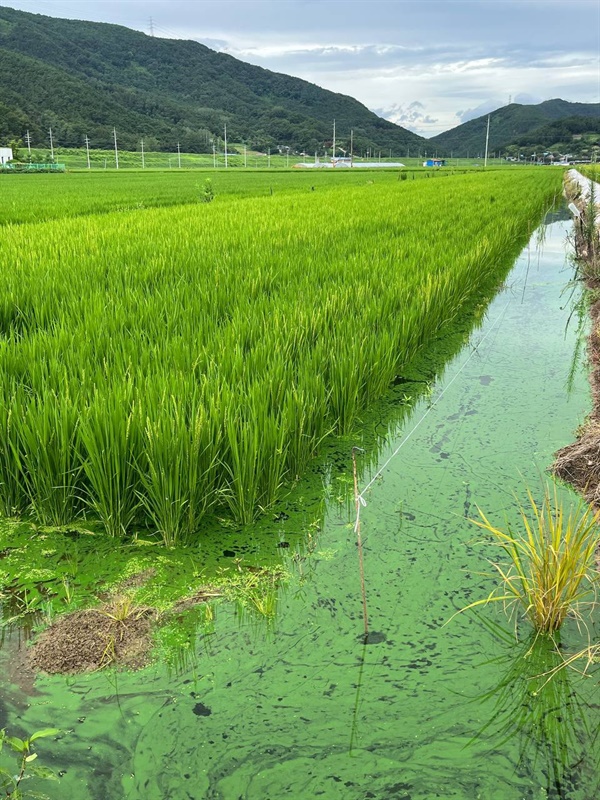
<point>83,78</point>
<point>510,125</point>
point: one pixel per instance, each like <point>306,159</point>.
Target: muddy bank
<point>579,463</point>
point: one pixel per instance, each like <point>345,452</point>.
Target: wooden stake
<point>357,500</point>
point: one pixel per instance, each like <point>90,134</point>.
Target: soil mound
<point>90,640</point>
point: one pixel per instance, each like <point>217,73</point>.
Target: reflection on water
<point>538,702</point>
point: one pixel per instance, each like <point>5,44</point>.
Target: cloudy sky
<point>427,65</point>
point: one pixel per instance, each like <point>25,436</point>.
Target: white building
<point>6,154</point>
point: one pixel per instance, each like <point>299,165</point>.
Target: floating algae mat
<point>301,707</point>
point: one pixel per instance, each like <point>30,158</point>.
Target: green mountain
<point>576,136</point>
<point>83,78</point>
<point>509,124</point>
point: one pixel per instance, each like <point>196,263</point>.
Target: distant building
<point>6,155</point>
<point>337,161</point>
<point>435,162</point>
<point>346,162</point>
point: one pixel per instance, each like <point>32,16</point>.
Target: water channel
<point>303,708</point>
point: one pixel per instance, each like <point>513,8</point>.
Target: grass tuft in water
<point>550,572</point>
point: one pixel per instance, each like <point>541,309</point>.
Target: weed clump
<point>208,193</point>
<point>550,572</point>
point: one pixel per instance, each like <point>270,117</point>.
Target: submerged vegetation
<point>160,365</point>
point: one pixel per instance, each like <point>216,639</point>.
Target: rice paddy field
<point>37,197</point>
<point>163,365</point>
<point>181,386</point>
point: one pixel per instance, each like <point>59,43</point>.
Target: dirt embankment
<point>579,463</point>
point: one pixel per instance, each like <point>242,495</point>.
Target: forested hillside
<point>513,124</point>
<point>83,78</point>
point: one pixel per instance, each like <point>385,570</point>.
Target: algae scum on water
<point>272,691</point>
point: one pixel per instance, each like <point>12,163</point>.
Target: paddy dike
<point>579,463</point>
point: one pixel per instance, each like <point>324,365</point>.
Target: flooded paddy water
<point>301,707</point>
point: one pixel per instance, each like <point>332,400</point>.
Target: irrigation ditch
<point>295,701</point>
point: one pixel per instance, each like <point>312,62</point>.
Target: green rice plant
<point>160,365</point>
<point>550,572</point>
<point>47,450</point>
<point>179,470</point>
<point>254,458</point>
<point>13,493</point>
<point>110,431</point>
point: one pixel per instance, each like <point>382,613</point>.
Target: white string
<point>360,501</point>
<point>426,414</point>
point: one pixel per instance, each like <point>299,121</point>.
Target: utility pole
<point>143,159</point>
<point>116,148</point>
<point>28,140</point>
<point>87,151</point>
<point>487,139</point>
<point>352,147</point>
<point>245,155</point>
<point>287,160</point>
<point>151,27</point>
<point>226,146</point>
<point>333,146</point>
<point>178,155</point>
<point>214,156</point>
<point>269,158</point>
<point>51,146</point>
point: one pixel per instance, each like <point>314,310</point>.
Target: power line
<point>167,33</point>
<point>430,408</point>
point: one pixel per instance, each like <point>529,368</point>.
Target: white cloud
<point>412,116</point>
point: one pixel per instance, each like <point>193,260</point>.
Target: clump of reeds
<point>550,571</point>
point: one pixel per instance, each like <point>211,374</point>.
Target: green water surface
<point>301,707</point>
